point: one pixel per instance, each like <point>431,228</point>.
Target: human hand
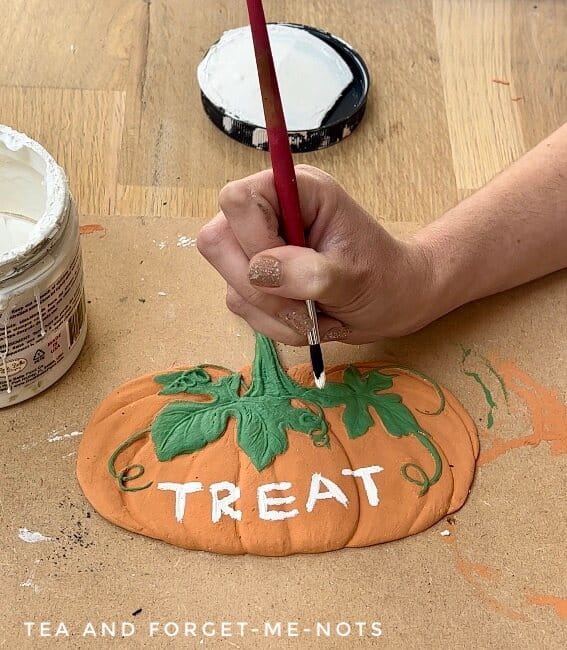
<point>366,283</point>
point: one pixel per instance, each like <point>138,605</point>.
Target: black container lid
<point>338,123</point>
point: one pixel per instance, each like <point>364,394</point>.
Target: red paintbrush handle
<point>280,152</point>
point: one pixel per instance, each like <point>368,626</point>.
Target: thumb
<point>300,274</point>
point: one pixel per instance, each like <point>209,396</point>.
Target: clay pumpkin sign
<point>263,462</point>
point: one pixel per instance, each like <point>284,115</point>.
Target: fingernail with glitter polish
<point>297,320</point>
<point>265,272</point>
<point>337,334</point>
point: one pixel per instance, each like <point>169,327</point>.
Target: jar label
<point>42,333</point>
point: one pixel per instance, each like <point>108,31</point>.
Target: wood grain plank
<point>68,44</point>
<point>164,201</point>
<point>474,48</point>
<point>398,164</point>
<point>82,129</point>
<point>539,66</point>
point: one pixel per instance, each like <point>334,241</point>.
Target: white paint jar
<point>42,302</point>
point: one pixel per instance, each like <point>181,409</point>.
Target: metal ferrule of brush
<point>313,336</point>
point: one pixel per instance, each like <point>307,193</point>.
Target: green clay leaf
<point>358,394</point>
<point>357,418</point>
<point>397,419</point>
<point>185,427</point>
<point>354,387</point>
<point>195,381</point>
<point>373,381</point>
<point>261,441</point>
<point>258,435</point>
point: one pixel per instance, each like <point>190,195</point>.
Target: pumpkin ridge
<point>425,439</point>
<point>418,525</point>
<point>286,542</point>
<point>358,488</point>
<point>456,505</point>
<point>335,437</point>
<point>468,424</point>
<point>465,419</point>
<point>238,524</point>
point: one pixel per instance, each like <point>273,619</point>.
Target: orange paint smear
<point>470,571</point>
<point>558,604</point>
<point>90,228</point>
<point>548,415</point>
<point>483,571</point>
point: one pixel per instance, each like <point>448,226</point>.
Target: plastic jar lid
<point>323,83</point>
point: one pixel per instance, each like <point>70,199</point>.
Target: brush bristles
<point>318,365</point>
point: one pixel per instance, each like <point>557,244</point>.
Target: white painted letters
<point>264,502</point>
<point>222,505</point>
<point>181,491</point>
<point>365,473</point>
<point>225,494</point>
<point>333,492</point>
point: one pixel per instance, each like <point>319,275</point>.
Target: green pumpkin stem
<point>268,376</point>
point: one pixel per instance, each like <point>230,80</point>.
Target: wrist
<point>423,285</point>
<point>450,275</point>
<point>411,290</point>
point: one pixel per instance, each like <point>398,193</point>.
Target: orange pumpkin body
<point>387,505</point>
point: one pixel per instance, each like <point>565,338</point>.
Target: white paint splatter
<point>161,293</point>
<point>183,241</point>
<point>32,537</point>
<point>54,436</point>
<point>73,49</point>
<point>445,533</point>
<point>57,435</point>
<point>28,582</point>
<point>160,244</point>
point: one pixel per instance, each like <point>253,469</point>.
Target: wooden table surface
<point>459,90</point>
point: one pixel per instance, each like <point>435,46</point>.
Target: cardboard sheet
<point>494,581</point>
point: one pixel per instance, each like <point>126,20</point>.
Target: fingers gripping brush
<point>282,163</point>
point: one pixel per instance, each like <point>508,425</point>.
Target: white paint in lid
<point>311,76</point>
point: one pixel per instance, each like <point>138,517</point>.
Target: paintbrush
<point>282,163</point>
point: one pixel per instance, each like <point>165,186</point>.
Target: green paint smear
<point>487,394</point>
<point>498,378</point>
<point>264,414</point>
